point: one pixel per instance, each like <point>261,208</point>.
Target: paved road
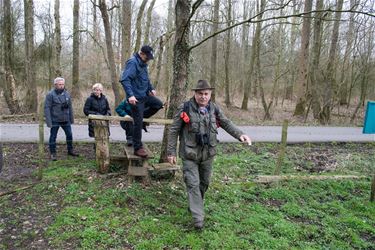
<point>29,133</point>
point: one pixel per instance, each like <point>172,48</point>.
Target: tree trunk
<point>57,40</point>
<point>215,27</point>
<point>277,74</point>
<point>75,68</point>
<point>292,60</point>
<point>330,88</point>
<point>180,65</point>
<point>245,45</point>
<point>227,55</point>
<point>346,72</point>
<point>254,50</point>
<point>159,61</point>
<point>126,29</point>
<point>315,87</point>
<point>32,95</point>
<point>10,82</point>
<point>169,52</point>
<point>301,83</point>
<point>110,55</point>
<point>138,26</point>
<point>366,69</point>
<point>148,22</point>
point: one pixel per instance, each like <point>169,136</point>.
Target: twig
<point>17,190</point>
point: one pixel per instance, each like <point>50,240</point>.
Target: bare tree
<point>314,74</point>
<point>148,22</point>
<point>254,50</point>
<point>215,27</point>
<point>345,72</point>
<point>75,68</point>
<point>169,51</point>
<point>138,26</point>
<point>32,95</point>
<point>110,55</point>
<point>7,72</point>
<point>301,83</point>
<point>330,81</point>
<point>227,54</point>
<point>57,40</point>
<point>126,29</point>
<point>180,63</point>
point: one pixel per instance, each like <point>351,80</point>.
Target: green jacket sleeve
<point>174,131</point>
<point>227,124</point>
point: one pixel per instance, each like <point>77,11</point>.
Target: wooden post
<point>41,141</point>
<point>280,159</point>
<point>372,196</point>
<point>1,156</point>
<point>102,145</point>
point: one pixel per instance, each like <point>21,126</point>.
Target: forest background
<point>269,60</point>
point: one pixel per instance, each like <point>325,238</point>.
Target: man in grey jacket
<point>196,124</point>
<point>58,112</point>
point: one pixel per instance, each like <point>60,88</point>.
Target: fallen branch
<point>275,178</point>
<point>16,116</point>
<point>17,190</point>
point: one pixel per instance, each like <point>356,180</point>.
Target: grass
<point>92,211</point>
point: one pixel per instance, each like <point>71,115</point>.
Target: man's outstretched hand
<point>245,138</point>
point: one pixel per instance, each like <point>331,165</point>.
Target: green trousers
<point>197,177</point>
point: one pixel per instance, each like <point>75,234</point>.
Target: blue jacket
<point>58,108</point>
<point>135,78</point>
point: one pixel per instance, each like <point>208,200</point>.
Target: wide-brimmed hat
<point>202,85</point>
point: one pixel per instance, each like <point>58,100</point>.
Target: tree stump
<point>102,145</point>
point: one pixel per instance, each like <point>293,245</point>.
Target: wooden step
<point>164,167</point>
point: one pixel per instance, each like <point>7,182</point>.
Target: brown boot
<point>141,153</point>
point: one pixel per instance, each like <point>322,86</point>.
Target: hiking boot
<point>71,153</point>
<point>198,225</point>
<point>141,153</point>
<point>53,157</point>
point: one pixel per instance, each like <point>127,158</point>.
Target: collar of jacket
<point>140,62</point>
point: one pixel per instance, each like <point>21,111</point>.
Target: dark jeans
<point>128,127</point>
<point>145,108</point>
<point>53,134</point>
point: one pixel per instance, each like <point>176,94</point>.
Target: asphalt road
<point>296,134</point>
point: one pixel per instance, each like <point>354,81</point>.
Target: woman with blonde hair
<point>96,104</point>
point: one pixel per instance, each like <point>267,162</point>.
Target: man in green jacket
<point>196,124</point>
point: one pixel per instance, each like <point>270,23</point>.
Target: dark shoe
<point>198,225</point>
<point>71,153</point>
<point>144,126</point>
<point>53,157</point>
<point>141,153</point>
